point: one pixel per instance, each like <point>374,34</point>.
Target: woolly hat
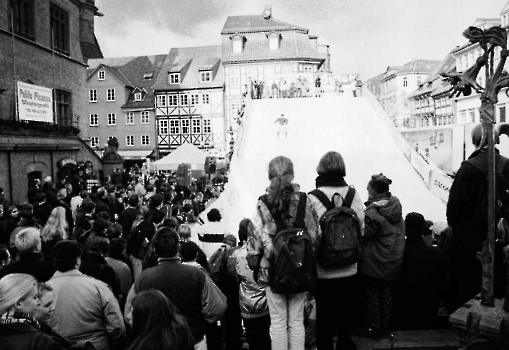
<point>380,183</point>
<point>66,250</point>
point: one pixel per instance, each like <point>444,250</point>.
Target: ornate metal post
<point>496,79</point>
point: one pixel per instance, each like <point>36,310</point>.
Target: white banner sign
<point>421,166</point>
<point>35,103</point>
<point>440,184</point>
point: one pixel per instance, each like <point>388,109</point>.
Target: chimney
<point>267,13</point>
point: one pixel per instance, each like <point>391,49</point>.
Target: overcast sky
<point>365,36</point>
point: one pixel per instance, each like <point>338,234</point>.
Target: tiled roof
<point>418,66</point>
<point>293,45</point>
<point>434,83</point>
<point>192,59</point>
<point>135,68</point>
<point>114,72</point>
<point>256,23</point>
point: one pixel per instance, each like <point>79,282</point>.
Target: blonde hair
<point>280,188</point>
<point>56,226</point>
<point>27,240</point>
<point>184,231</point>
<point>14,287</point>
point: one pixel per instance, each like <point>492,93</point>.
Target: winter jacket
<point>32,264</point>
<point>252,297</point>
<point>260,245</point>
<point>383,238</point>
<point>24,336</point>
<point>86,309</point>
<point>357,205</point>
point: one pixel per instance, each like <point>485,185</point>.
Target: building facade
<point>121,104</point>
<point>189,100</point>
<point>44,46</point>
<point>263,49</point>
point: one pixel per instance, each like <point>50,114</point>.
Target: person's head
<point>28,240</point>
<point>40,197</point>
<point>62,193</point>
<point>46,307</point>
<point>117,247</point>
<point>114,231</point>
<point>98,245</point>
<point>13,211</point>
<point>18,292</point>
<point>214,215</point>
<point>134,200</point>
<point>281,176</point>
<point>155,201</point>
<point>184,232</point>
<point>230,240</point>
<point>415,226</point>
<point>5,256</point>
<point>88,206</point>
<point>189,251</point>
<point>379,184</point>
<point>56,226</point>
<point>100,226</point>
<point>149,308</point>
<point>331,164</point>
<point>149,187</point>
<point>479,135</point>
<point>67,255</point>
<point>166,242</point>
<point>244,226</point>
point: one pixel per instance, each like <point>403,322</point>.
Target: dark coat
<point>94,265</point>
<point>23,336</point>
<point>420,287</point>
<point>31,264</point>
<point>383,238</point>
<point>42,212</point>
<point>126,219</point>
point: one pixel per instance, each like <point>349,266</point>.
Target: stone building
<point>44,46</point>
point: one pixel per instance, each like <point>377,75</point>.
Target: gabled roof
<point>117,74</point>
<point>293,45</point>
<point>256,23</point>
<point>434,83</point>
<point>135,68</point>
<point>418,66</point>
<point>193,59</point>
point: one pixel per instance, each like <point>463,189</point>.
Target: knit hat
<point>380,183</point>
<point>230,239</point>
<point>415,225</point>
<point>66,250</point>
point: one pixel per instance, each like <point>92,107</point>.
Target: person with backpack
<point>341,212</point>
<point>281,253</point>
<point>382,254</point>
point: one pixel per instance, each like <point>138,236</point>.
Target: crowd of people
<point>136,268</point>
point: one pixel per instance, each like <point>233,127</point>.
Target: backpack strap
<point>322,197</point>
<point>349,197</point>
<point>280,224</point>
<point>301,211</point>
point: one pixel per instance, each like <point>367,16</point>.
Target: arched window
<point>238,43</point>
<point>274,40</point>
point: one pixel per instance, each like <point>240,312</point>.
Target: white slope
<point>316,125</point>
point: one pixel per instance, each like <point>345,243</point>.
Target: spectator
<point>198,299</point>
<point>55,230</point>
<point>61,196</point>
<point>213,232</point>
<point>189,253</point>
<point>26,220</point>
<point>382,254</point>
<point>184,232</point>
<point>283,196</point>
<point>148,332</point>
<point>77,295</point>
<point>337,288</point>
<point>42,209</point>
<point>10,223</point>
<point>18,301</point>
<point>128,215</point>
<point>5,256</point>
<point>252,297</point>
<point>420,286</point>
<point>28,245</point>
<point>117,261</point>
<point>139,189</point>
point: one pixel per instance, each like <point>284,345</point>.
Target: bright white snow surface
<point>344,124</point>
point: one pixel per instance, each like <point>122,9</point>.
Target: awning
<point>134,154</point>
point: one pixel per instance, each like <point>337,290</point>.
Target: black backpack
<point>292,261</point>
<point>340,244</point>
<point>219,266</point>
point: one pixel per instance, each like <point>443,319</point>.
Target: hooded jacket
<point>383,238</point>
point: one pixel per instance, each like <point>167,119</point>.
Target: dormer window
<point>205,76</point>
<point>137,97</point>
<point>148,76</point>
<point>173,78</point>
<point>101,75</point>
<point>274,40</point>
<point>238,43</point>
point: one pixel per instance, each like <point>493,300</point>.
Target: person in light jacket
<point>337,288</point>
<point>286,310</point>
<point>382,254</point>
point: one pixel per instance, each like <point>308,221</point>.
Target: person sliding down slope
<point>283,122</point>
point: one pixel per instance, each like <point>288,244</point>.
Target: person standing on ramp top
<point>283,122</point>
